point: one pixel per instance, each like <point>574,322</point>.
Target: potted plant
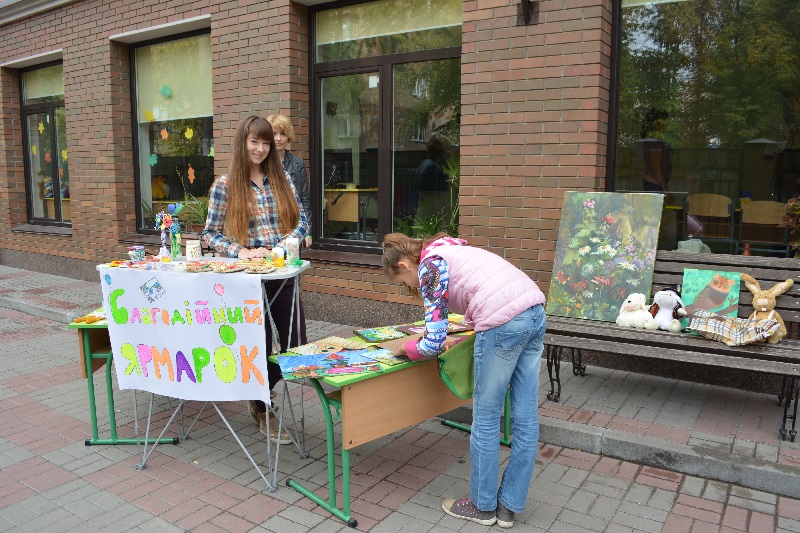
<point>791,220</point>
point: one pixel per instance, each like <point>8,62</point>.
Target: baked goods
<point>259,269</point>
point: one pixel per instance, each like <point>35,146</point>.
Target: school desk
<point>95,352</point>
<point>375,404</point>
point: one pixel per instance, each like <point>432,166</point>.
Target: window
<point>46,153</point>
<point>384,86</point>
<point>709,103</point>
<point>174,127</point>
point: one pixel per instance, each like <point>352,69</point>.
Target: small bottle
<point>746,250</point>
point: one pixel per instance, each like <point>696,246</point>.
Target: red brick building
<point>536,113</point>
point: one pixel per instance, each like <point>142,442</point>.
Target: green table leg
<point>89,357</point>
<point>506,438</point>
<point>330,505</point>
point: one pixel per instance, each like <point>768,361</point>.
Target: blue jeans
<point>509,354</point>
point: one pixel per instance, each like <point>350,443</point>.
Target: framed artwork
<point>605,251</point>
<point>711,290</point>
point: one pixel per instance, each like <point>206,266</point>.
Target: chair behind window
<point>758,225</point>
<point>715,213</point>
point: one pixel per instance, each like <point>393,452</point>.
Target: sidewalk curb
<point>692,460</point>
<point>56,315</point>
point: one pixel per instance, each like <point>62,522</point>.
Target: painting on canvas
<point>710,290</point>
<point>605,251</point>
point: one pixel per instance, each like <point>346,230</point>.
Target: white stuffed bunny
<point>633,313</point>
<point>667,309</point>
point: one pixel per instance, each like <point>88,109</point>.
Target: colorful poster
<point>605,251</point>
<point>187,336</point>
<point>331,364</point>
<point>710,290</point>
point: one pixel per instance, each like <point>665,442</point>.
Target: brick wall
<point>534,121</point>
<point>534,115</point>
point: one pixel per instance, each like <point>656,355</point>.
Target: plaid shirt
<point>263,229</point>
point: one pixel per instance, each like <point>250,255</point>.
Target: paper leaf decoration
<point>148,116</point>
<point>165,91</point>
<point>64,155</point>
<point>189,133</point>
<point>60,172</point>
<point>153,160</point>
<point>47,158</point>
<point>33,149</point>
<point>190,174</point>
<point>211,152</point>
<point>164,134</point>
<point>41,127</point>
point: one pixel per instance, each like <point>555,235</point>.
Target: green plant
<point>148,214</point>
<point>791,220</point>
<point>195,210</point>
<point>427,226</point>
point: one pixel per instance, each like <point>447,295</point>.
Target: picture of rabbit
<point>764,303</point>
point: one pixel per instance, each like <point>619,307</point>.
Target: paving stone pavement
<point>51,481</point>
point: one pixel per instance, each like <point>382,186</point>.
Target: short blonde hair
<point>282,124</point>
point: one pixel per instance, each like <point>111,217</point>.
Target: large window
<point>174,127</point>
<point>709,114</point>
<point>387,93</point>
<point>46,153</point>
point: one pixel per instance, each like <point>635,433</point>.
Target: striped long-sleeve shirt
<point>434,281</point>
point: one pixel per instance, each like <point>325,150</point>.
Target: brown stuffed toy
<point>764,304</point>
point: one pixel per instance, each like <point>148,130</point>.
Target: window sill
<point>62,231</point>
<point>141,239</point>
<point>343,258</point>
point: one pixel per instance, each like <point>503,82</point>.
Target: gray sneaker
<point>466,510</point>
<point>505,518</point>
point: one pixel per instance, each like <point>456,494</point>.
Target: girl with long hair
<point>252,209</point>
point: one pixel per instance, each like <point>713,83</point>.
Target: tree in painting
<point>605,251</point>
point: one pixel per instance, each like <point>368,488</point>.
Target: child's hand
<point>398,346</point>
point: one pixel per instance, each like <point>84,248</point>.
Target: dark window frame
<point>613,104</point>
<point>135,125</point>
<point>31,109</point>
<point>383,65</point>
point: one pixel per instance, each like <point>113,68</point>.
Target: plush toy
<point>47,182</point>
<point>633,313</point>
<point>159,187</point>
<point>667,310</point>
<point>764,304</point>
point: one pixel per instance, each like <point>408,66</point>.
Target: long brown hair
<point>399,245</point>
<point>240,206</point>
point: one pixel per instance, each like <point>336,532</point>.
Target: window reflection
<point>709,103</point>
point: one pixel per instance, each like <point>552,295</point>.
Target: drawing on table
<point>319,365</point>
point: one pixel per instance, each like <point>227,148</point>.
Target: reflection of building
<point>531,115</point>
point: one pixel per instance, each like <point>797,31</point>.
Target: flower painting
<point>606,250</point>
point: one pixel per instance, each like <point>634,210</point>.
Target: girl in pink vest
<point>507,309</point>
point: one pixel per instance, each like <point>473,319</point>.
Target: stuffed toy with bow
<point>667,310</point>
<point>764,303</point>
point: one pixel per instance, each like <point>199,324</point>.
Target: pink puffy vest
<point>484,287</point>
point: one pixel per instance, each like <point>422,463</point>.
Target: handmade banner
<point>187,336</point>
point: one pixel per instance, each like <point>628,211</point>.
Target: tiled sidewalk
<point>50,481</point>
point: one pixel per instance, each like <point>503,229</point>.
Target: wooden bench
<point>783,359</point>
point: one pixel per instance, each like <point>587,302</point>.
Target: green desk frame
<point>354,403</point>
<point>95,351</point>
